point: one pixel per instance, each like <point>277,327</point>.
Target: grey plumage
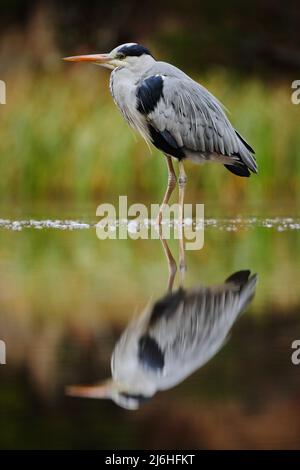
<point>186,329</point>
<point>175,113</point>
<point>171,339</point>
<point>158,98</point>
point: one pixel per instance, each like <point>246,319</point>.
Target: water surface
<point>66,297</point>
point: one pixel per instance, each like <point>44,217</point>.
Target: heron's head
<point>109,390</point>
<point>130,55</point>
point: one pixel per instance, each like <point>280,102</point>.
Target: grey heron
<point>173,112</point>
<point>170,340</point>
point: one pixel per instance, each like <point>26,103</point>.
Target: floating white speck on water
<point>188,221</point>
<point>132,226</point>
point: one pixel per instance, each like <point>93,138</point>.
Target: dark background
<point>257,36</point>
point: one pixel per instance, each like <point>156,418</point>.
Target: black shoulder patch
<point>166,306</point>
<point>134,50</point>
<point>150,354</point>
<point>149,93</point>
<point>165,142</point>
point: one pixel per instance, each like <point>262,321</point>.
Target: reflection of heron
<point>171,339</point>
<point>173,112</point>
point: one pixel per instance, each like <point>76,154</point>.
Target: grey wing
<point>188,118</point>
<point>200,326</point>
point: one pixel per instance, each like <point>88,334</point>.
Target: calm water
<point>222,354</point>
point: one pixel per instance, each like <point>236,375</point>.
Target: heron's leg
<point>182,182</point>
<point>171,261</point>
<point>170,188</point>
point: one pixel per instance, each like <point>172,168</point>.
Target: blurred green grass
<point>64,276</point>
<point>62,139</point>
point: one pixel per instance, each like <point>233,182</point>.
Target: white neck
<point>138,66</point>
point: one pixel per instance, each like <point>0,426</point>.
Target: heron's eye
<point>121,55</point>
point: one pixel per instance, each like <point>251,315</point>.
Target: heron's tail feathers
<point>239,169</point>
<point>239,277</point>
<point>245,283</point>
<point>245,159</point>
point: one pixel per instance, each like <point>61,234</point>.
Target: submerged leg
<point>170,188</point>
<point>182,183</point>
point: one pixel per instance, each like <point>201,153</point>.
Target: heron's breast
<point>123,91</point>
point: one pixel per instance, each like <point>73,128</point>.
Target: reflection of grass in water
<point>72,276</point>
<point>62,138</point>
<point>63,292</point>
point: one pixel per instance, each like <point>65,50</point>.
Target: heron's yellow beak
<point>94,58</point>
